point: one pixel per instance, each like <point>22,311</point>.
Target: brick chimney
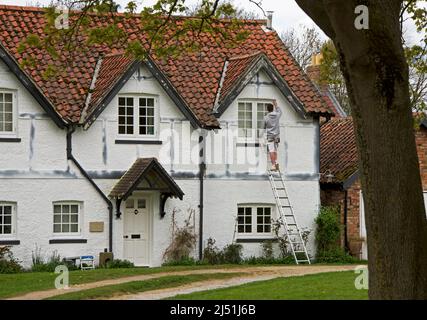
<point>313,70</point>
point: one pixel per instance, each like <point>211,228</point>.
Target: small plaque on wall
<point>96,227</point>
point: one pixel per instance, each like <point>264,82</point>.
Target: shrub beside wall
<point>328,235</point>
<point>8,264</point>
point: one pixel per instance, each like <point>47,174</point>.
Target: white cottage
<point>96,159</point>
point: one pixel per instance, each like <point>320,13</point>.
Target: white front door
<point>136,235</point>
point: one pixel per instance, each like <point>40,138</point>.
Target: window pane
<point>74,218</point>
<point>142,204</point>
<point>57,228</point>
<point>151,131</point>
<point>150,102</point>
<point>8,127</point>
<point>150,112</point>
<point>65,208</point>
<point>142,102</point>
<point>7,220</point>
<point>7,229</point>
<point>129,102</point>
<point>122,101</point>
<point>74,208</point>
<point>74,228</point>
<point>65,228</point>
<point>260,229</point>
<point>8,117</point>
<point>57,218</point>
<point>7,210</point>
<point>65,218</point>
<point>129,204</point>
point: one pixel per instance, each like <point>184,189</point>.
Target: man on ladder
<point>272,127</point>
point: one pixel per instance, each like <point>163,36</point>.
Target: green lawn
<point>141,286</point>
<point>325,286</point>
<point>19,284</point>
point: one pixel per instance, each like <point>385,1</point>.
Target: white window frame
<point>136,124</point>
<point>13,233</point>
<point>14,132</point>
<point>80,219</point>
<point>255,234</point>
<point>254,103</point>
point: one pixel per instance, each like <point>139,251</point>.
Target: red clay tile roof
<point>234,69</point>
<point>195,76</point>
<point>338,150</point>
<point>109,71</point>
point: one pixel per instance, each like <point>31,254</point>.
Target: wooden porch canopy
<point>146,174</point>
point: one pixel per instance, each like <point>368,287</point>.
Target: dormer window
<point>7,113</point>
<point>137,117</point>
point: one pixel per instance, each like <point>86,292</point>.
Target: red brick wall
<point>331,197</point>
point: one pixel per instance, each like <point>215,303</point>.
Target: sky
<point>287,14</point>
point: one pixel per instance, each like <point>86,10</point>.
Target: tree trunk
<point>376,73</point>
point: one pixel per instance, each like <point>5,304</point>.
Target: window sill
<point>10,140</point>
<point>147,142</point>
<point>10,242</point>
<point>67,241</point>
<point>255,240</point>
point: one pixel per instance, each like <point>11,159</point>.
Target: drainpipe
<point>202,171</point>
<point>95,186</point>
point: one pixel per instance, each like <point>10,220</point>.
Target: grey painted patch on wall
<point>104,142</point>
<point>193,175</point>
<point>115,175</point>
<point>37,116</point>
<point>39,174</point>
<point>32,137</point>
